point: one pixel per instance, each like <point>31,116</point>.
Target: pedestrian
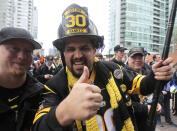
<point>19,92</point>
<point>90,95</point>
<point>136,63</point>
<point>119,55</point>
<point>46,71</point>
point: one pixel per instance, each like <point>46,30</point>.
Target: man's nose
<point>78,53</point>
<point>22,54</point>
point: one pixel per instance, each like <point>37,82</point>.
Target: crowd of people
<point>84,92</point>
<point>44,68</point>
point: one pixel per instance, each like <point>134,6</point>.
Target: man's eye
<point>14,49</point>
<point>85,49</point>
<point>70,49</point>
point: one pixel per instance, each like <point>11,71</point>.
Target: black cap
<point>49,58</point>
<point>119,48</point>
<point>10,33</point>
<point>136,50</point>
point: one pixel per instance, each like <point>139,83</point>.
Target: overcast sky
<point>50,14</point>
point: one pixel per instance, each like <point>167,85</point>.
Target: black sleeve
<point>49,122</point>
<point>45,119</point>
<point>140,110</point>
<point>147,84</point>
<point>39,74</point>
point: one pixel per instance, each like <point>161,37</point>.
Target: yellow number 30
<point>76,20</point>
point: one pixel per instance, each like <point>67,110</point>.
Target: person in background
<point>136,63</point>
<point>164,98</point>
<point>156,58</point>
<point>119,55</point>
<point>57,63</point>
<point>173,90</point>
<point>20,93</point>
<point>87,91</point>
<point>99,56</point>
<point>46,71</point>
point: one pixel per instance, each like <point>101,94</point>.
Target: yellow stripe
<point>137,89</point>
<point>43,110</point>
<point>46,87</point>
<point>128,125</point>
<point>79,126</point>
<point>37,117</point>
<point>135,80</point>
<point>41,113</point>
<point>92,124</point>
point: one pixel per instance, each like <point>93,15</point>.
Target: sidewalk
<point>167,127</point>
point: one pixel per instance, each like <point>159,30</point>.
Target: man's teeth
<point>78,63</point>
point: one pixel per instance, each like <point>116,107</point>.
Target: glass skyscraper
<point>142,23</point>
<point>19,13</point>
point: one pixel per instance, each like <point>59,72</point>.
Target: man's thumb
<point>85,75</point>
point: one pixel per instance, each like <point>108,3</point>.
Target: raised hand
<point>163,69</point>
<point>82,103</point>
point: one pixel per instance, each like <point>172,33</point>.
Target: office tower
<point>18,13</point>
<point>142,23</point>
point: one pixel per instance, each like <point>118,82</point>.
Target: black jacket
<point>18,107</point>
<point>118,62</point>
<point>48,122</point>
<point>43,70</point>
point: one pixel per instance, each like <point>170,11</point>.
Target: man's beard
<point>76,73</point>
<point>18,72</point>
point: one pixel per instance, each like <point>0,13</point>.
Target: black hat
<point>119,48</point>
<point>81,26</point>
<point>49,58</point>
<point>10,33</point>
<point>136,50</point>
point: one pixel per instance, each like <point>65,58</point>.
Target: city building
<point>142,23</point>
<point>19,13</point>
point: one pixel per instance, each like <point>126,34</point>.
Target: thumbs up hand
<point>85,76</point>
<point>82,103</point>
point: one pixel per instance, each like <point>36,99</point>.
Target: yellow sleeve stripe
<point>136,84</point>
<point>137,89</point>
<point>47,88</point>
<point>41,113</point>
<point>43,110</point>
<point>37,117</point>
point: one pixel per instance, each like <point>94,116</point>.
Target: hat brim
<point>35,44</point>
<point>98,41</point>
<point>136,53</point>
<point>122,49</point>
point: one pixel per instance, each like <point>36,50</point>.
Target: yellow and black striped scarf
<point>115,98</point>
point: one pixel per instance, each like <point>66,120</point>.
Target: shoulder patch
<point>118,74</point>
